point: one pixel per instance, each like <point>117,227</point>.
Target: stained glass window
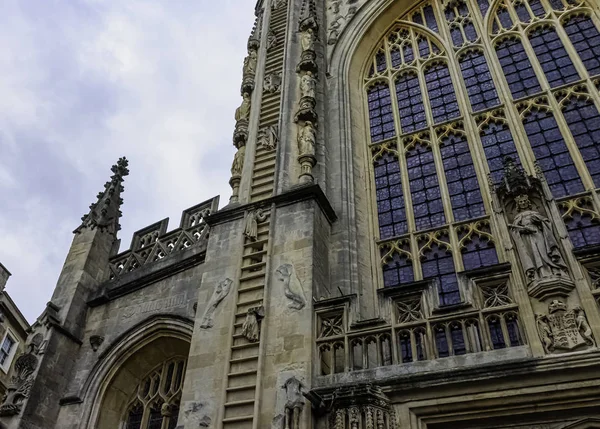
<point>478,80</point>
<point>380,113</point>
<point>498,144</point>
<point>438,266</point>
<point>410,103</point>
<point>553,57</point>
<point>398,268</point>
<point>586,40</point>
<point>390,199</point>
<point>517,68</point>
<point>441,93</point>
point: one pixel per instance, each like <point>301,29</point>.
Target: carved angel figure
<point>252,219</point>
<point>535,243</point>
<point>238,161</point>
<point>221,291</point>
<point>243,112</point>
<point>308,85</point>
<point>307,139</point>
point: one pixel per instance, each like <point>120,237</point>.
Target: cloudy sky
<point>83,82</point>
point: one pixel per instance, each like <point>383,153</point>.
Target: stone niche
<point>361,407</point>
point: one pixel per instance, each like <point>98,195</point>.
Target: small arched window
<point>157,398</point>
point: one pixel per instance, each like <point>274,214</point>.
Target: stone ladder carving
<point>263,175</point>
<point>240,409</point>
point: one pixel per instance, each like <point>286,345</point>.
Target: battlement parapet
<point>153,243</point>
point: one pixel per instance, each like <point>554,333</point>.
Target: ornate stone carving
<point>271,40</point>
<point>351,406</point>
<point>251,326</point>
<point>243,112</point>
<point>284,275</point>
<point>331,325</point>
<point>105,213</point>
<point>250,63</point>
<point>564,330</point>
<point>96,341</point>
<point>272,83</point>
<point>339,13</point>
<point>221,291</point>
<point>307,138</point>
<point>238,162</point>
<point>251,224</point>
<point>308,85</point>
<point>309,28</point>
<point>268,137</point>
<point>21,382</point>
<point>409,310</point>
<point>294,403</point>
<point>496,295</point>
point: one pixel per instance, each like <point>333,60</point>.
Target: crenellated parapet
<point>154,243</point>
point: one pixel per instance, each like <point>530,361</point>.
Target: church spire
<point>105,213</point>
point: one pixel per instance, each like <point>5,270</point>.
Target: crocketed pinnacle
<point>105,213</point>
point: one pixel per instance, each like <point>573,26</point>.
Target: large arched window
<point>453,89</point>
<point>155,404</point>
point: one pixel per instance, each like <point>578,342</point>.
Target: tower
<point>412,240</point>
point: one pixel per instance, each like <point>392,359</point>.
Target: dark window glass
<point>517,68</point>
<point>396,56</point>
<point>424,188</point>
<point>381,62</point>
<point>522,12</point>
<point>458,339</point>
<point>584,122</point>
<point>478,251</point>
<point>438,266</point>
<point>430,18</point>
<point>380,112</point>
<point>461,178</point>
<point>478,81</point>
<point>583,229</point>
<point>173,418</point>
<point>390,198</point>
<point>496,334</point>
<point>512,326</point>
<point>498,144</point>
<point>557,4</point>
<point>134,419</point>
<point>410,103</point>
<point>484,5</point>
<point>417,17</point>
<point>457,37</point>
<point>405,347</point>
<point>537,8</point>
<point>586,39</point>
<point>441,93</point>
<point>552,56</point>
<point>470,31</point>
<point>423,45</point>
<point>156,418</point>
<point>441,342</point>
<point>551,153</point>
<point>504,17</point>
<point>398,270</point>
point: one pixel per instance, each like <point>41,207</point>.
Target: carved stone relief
<point>294,403</point>
<point>351,406</point>
<point>251,326</point>
<point>271,40</point>
<point>96,341</point>
<point>221,291</point>
<point>21,382</point>
<point>272,83</point>
<point>339,13</point>
<point>238,162</point>
<point>268,137</point>
<point>563,330</point>
<point>285,277</point>
<point>251,224</point>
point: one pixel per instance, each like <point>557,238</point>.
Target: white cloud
<point>85,82</point>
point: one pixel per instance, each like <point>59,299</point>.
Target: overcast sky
<point>83,82</point>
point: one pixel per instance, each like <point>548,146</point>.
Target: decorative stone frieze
<point>361,406</point>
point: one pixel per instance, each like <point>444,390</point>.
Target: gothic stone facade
<point>412,240</point>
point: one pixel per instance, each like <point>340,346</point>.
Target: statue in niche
<point>307,139</point>
<point>268,137</point>
<point>251,326</point>
<point>242,113</point>
<point>293,292</point>
<point>238,162</point>
<point>271,40</point>
<point>307,40</point>
<point>294,403</point>
<point>221,291</point>
<point>564,330</point>
<point>252,220</point>
<point>535,243</point>
<point>308,85</point>
<point>250,63</point>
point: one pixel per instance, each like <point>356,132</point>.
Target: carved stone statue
<point>243,112</point>
<point>251,326</point>
<point>564,330</point>
<point>308,85</point>
<point>535,243</point>
<point>272,82</point>
<point>20,384</point>
<point>221,291</point>
<point>307,139</point>
<point>252,219</point>
<point>271,40</point>
<point>250,63</point>
<point>307,40</point>
<point>268,137</point>
<point>283,274</point>
<point>294,403</point>
<point>238,162</point>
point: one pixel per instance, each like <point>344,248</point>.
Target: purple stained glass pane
<point>552,56</point>
<point>478,80</point>
<point>381,117</point>
<point>438,266</point>
<point>583,230</point>
<point>441,342</point>
<point>586,40</point>
<point>398,270</point>
<point>410,103</point>
<point>517,68</point>
<point>458,339</point>
<point>537,8</point>
<point>424,187</point>
<point>430,18</point>
<point>390,197</point>
<point>484,5</point>
<point>551,153</point>
<point>498,143</point>
<point>479,252</point>
<point>441,93</point>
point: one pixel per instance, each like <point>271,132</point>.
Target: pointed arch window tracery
<point>467,83</point>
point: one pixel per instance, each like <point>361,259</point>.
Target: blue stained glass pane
<point>478,81</point>
<point>522,12</point>
<point>425,191</point>
<point>441,342</point>
<point>381,117</point>
<point>517,68</point>
<point>410,103</point>
<point>498,143</point>
<point>458,340</point>
<point>586,39</point>
<point>478,252</point>
<point>441,93</point>
<point>463,186</point>
<point>552,56</point>
<point>438,266</point>
<point>496,333</point>
<point>484,5</point>
<point>552,154</point>
<point>537,8</point>
<point>398,270</point>
<point>390,198</point>
<point>583,230</point>
<point>584,122</point>
<point>430,18</point>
